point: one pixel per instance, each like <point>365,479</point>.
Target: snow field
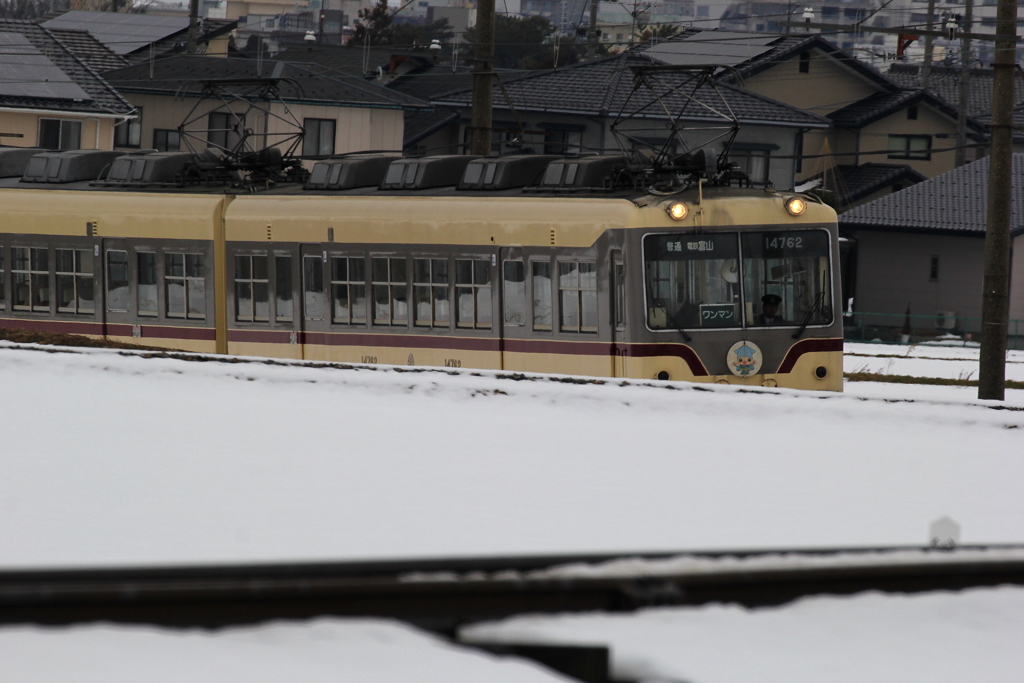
<point>115,459</point>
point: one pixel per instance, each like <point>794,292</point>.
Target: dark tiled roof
<point>91,51</point>
<point>104,99</point>
<point>856,182</point>
<point>302,84</point>
<point>945,82</point>
<point>419,124</point>
<point>345,59</point>
<point>178,42</point>
<point>602,87</point>
<point>952,202</point>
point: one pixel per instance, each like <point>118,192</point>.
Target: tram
<point>525,263</point>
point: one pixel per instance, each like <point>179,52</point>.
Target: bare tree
<point>24,9</point>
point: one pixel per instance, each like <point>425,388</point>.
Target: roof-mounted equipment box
<point>350,172</point>
<point>422,173</point>
<point>502,173</point>
<point>146,168</point>
<point>68,167</point>
<point>13,160</point>
<point>593,173</point>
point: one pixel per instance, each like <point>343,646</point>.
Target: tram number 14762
<point>452,363</point>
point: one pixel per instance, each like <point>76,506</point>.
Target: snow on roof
<point>940,637</point>
<point>115,459</point>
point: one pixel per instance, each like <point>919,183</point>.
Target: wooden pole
<point>480,141</point>
<point>193,26</point>
<point>592,29</point>
<point>965,77</point>
<point>996,287</point>
<point>926,70</point>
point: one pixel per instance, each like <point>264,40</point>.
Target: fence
<point>943,329</point>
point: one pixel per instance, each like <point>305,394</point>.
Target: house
<point>338,113</point>
<point>873,118</point>
<point>923,247</point>
<point>573,110</point>
<point>49,96</point>
<point>851,186</point>
<point>138,37</point>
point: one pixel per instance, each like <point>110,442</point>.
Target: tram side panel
<point>136,268</point>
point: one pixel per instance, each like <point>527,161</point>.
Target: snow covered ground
<point>113,459</point>
<point>947,362</point>
<point>320,651</point>
<point>940,637</point>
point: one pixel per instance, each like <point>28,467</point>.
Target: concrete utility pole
<point>996,287</point>
<point>965,77</point>
<point>193,26</point>
<point>926,70</point>
<point>592,29</point>
<point>480,142</point>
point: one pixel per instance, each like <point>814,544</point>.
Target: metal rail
<point>441,595</point>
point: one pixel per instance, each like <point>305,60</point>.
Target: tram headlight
<point>796,206</point>
<point>678,211</point>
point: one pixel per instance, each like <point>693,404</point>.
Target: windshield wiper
<point>817,306</point>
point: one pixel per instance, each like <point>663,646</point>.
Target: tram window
<point>31,271</point>
<point>313,287</point>
<point>147,291</point>
<point>793,266</point>
<point>619,282</point>
<point>75,281</point>
<point>577,288</point>
<point>430,292</point>
<point>185,283</point>
<point>118,286</point>
<point>514,282</point>
<point>252,288</point>
<point>541,295</point>
<point>473,292</point>
<point>390,291</point>
<point>283,286</point>
<point>692,281</point>
<point>348,283</point>
<point>3,300</point>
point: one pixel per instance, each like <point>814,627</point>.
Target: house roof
<point>134,34</point>
<point>945,82</point>
<point>91,51</point>
<point>875,107</point>
<point>303,83</point>
<point>954,202</point>
<point>602,87</point>
<point>100,96</point>
<point>857,182</point>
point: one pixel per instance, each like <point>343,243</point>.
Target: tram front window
<point>692,281</point>
<point>786,278</point>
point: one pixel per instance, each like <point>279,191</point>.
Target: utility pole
<point>996,287</point>
<point>965,76</point>
<point>592,29</point>
<point>926,70</point>
<point>480,142</point>
<point>193,26</point>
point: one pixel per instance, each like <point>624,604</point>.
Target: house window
<point>117,281</point>
<point>148,288</point>
<point>74,281</point>
<point>390,291</point>
<point>805,62</point>
<point>129,133</point>
<point>252,288</point>
<point>166,140</point>
<point>430,292</point>
<point>577,287</point>
<point>60,134</point>
<point>185,282</point>
<point>348,283</point>
<point>319,137</point>
<point>910,147</point>
<point>703,10</point>
<point>753,162</point>
<point>225,130</point>
<point>933,273</point>
<point>563,141</point>
<point>473,292</point>
<point>31,271</point>
<point>912,113</point>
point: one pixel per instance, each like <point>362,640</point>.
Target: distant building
<point>51,98</point>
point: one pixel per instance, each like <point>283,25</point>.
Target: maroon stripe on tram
<point>808,346</point>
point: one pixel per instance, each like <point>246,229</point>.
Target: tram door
<point>315,316</point>
<point>115,286</point>
<point>617,289</point>
<point>514,318</point>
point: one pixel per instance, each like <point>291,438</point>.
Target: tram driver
<point>770,311</point>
